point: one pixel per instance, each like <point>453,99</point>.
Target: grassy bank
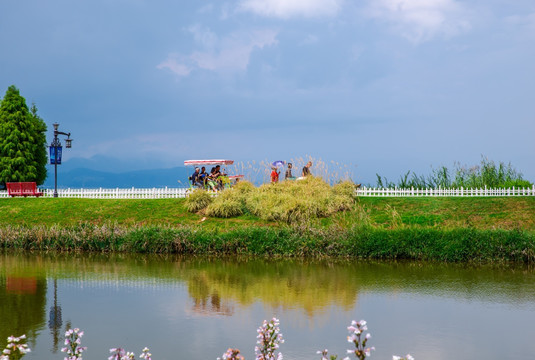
<point>454,245</point>
<point>484,213</point>
<point>445,229</point>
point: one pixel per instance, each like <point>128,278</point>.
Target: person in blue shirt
<point>195,180</point>
<point>203,175</point>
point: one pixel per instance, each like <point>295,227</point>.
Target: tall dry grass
<point>287,201</point>
<point>198,200</point>
<point>332,172</point>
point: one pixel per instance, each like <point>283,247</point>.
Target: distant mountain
<point>89,178</point>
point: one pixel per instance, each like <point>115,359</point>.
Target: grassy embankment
<point>445,229</point>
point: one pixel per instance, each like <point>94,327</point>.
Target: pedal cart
<point>207,180</point>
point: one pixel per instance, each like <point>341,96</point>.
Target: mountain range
<point>99,172</point>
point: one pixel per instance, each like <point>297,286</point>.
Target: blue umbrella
<point>278,163</point>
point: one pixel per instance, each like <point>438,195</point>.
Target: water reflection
<point>190,298</point>
<point>22,300</point>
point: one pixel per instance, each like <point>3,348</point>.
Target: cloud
<point>291,8</point>
<point>421,20</point>
<point>229,54</point>
<point>309,40</point>
<point>526,21</point>
<point>174,63</point>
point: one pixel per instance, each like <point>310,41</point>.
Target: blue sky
<point>383,85</point>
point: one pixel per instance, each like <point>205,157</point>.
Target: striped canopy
<point>208,162</point>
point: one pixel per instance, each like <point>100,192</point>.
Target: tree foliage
<point>22,140</point>
<point>41,156</point>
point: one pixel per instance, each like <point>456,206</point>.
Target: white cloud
<point>174,63</point>
<point>229,54</point>
<point>291,8</point>
<point>526,21</point>
<point>421,20</point>
<point>208,8</point>
<point>309,40</point>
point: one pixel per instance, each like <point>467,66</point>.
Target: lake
<point>196,308</point>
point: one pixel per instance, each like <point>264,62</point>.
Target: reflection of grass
<point>311,285</point>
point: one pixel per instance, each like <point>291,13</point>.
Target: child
<point>274,175</point>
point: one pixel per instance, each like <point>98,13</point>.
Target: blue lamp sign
<point>53,159</point>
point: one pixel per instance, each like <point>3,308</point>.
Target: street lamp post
<point>55,153</point>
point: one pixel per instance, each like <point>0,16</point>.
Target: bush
<point>229,203</point>
<point>288,201</point>
<point>198,200</point>
<point>297,201</point>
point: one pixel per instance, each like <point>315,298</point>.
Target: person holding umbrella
<point>275,170</point>
<point>274,175</point>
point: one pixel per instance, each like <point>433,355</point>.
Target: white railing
<point>445,192</point>
<point>166,193</point>
<point>117,193</point>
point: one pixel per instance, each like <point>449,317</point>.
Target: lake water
<point>195,308</point>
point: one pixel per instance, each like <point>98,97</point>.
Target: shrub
<point>198,200</point>
<point>229,203</point>
<point>288,201</point>
<point>297,201</point>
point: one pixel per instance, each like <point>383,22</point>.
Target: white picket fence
<point>117,193</point>
<point>445,192</point>
<point>167,193</point>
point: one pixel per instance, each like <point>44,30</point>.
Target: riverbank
<point>450,245</point>
<point>442,229</point>
<point>485,213</point>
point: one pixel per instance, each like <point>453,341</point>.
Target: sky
<point>382,86</point>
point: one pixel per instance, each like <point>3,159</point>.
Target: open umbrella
<point>278,163</point>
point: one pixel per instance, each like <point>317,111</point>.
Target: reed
<point>486,174</point>
<point>407,243</point>
<point>288,201</point>
<point>332,172</point>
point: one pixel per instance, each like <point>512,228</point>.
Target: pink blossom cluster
<point>356,330</point>
<point>73,340</point>
<point>231,354</point>
<point>406,357</point>
<point>268,339</point>
<point>15,349</point>
<point>122,354</point>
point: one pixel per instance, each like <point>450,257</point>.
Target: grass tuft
<point>198,200</point>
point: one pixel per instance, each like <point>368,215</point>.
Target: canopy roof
<point>209,162</point>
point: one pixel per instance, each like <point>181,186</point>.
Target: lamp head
<point>56,125</point>
<point>68,143</point>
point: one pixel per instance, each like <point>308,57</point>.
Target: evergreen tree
<point>22,138</point>
<point>41,150</point>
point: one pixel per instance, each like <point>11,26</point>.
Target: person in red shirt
<point>274,175</point>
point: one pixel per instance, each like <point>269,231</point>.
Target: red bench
<point>23,189</point>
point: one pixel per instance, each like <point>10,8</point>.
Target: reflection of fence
<point>445,192</point>
<point>166,193</point>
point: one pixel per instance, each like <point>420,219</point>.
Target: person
<point>274,175</point>
<point>195,181</point>
<point>220,176</point>
<point>211,179</point>
<point>306,169</point>
<point>288,174</point>
<point>203,175</point>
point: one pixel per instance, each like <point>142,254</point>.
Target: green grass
<point>444,229</point>
<point>456,245</point>
<point>508,213</point>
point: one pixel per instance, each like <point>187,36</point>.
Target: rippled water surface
<point>195,308</point>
